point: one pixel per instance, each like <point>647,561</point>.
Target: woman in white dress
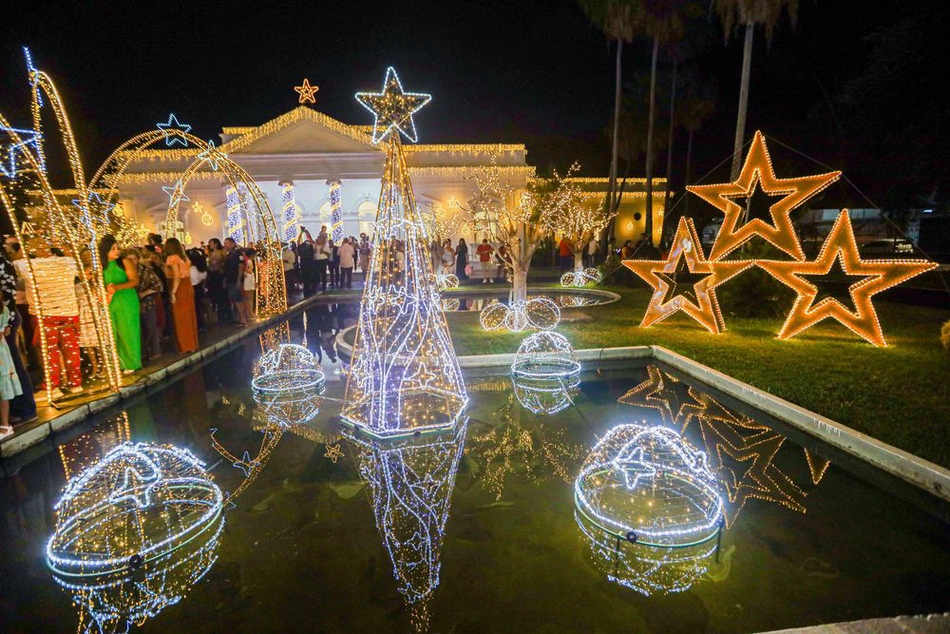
<point>250,283</point>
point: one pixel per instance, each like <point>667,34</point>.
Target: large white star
<point>393,108</point>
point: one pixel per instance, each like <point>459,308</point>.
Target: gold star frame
<point>695,295</point>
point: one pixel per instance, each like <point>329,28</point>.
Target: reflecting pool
<point>623,499</point>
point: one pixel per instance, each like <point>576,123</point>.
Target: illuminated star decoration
<point>212,156</point>
<point>174,124</point>
<point>176,190</point>
<point>247,465</point>
<point>877,275</point>
<point>758,175</point>
<point>136,487</point>
<point>635,467</point>
<point>8,164</point>
<point>333,452</point>
<point>306,92</point>
<point>689,288</point>
<point>96,204</point>
<point>393,108</point>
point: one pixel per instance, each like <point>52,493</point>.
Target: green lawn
<point>899,394</point>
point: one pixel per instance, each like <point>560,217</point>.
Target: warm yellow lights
<point>686,281</point>
<point>758,174</point>
<point>840,251</point>
<point>306,92</point>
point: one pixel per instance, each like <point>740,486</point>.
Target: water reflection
<point>135,531</point>
<point>411,483</point>
<point>650,509</point>
<point>743,454</point>
<point>545,397</point>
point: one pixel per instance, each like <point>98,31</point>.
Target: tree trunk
<point>612,182</point>
<point>689,170</point>
<point>743,99</point>
<point>649,174</point>
<point>669,152</point>
<point>579,258</point>
<point>519,285</point>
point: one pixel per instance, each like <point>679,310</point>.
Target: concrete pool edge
<point>904,465</point>
<point>36,435</point>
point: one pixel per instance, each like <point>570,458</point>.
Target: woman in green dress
<point>121,280</point>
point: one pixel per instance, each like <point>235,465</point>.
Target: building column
<point>291,213</point>
<point>235,226</point>
<point>336,211</point>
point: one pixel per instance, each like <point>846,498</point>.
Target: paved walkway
<point>929,624</point>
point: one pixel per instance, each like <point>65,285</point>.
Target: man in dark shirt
<point>308,268</point>
<point>234,279</point>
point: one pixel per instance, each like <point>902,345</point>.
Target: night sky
<point>532,71</point>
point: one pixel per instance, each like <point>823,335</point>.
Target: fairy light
<point>168,128</point>
<point>336,212</point>
<point>411,484</point>
<point>135,532</point>
<point>686,281</point>
<point>235,218</point>
<point>650,508</point>
<point>540,313</point>
<point>393,108</point>
<point>841,247</point>
<point>306,92</point>
<point>289,210</point>
<point>211,156</point>
<point>404,377</point>
<point>545,355</point>
<point>741,452</point>
<point>578,279</point>
<point>569,215</point>
<point>288,383</point>
<point>509,448</point>
<point>545,396</point>
<point>758,173</point>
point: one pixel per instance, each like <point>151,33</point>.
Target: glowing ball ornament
<point>540,313</point>
<point>587,277</point>
<point>545,355</point>
<point>545,397</point>
<point>134,532</point>
<point>650,507</point>
<point>446,281</point>
<point>492,317</point>
<point>288,384</point>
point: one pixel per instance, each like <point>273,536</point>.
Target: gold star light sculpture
<point>758,175</point>
<point>841,249</point>
<point>686,281</point>
<point>393,108</point>
<point>306,92</point>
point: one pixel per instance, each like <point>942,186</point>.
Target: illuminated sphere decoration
<point>134,532</point>
<point>650,507</point>
<point>545,355</point>
<point>587,277</point>
<point>288,383</point>
<point>447,281</point>
<point>539,313</point>
<point>545,397</point>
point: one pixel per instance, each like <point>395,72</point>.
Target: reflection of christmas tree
<point>411,482</point>
<point>405,376</point>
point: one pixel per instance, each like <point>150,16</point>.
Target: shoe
<point>56,394</point>
<point>491,281</point>
<point>5,432</point>
<point>128,372</point>
<point>485,280</point>
<point>17,420</point>
<point>75,389</point>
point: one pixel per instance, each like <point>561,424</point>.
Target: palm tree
<point>696,106</point>
<point>616,19</point>
<point>735,14</point>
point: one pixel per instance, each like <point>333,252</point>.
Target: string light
<point>545,355</point>
<point>411,483</point>
<point>288,383</point>
<point>758,173</point>
<point>690,288</point>
<point>336,212</point>
<point>568,215</point>
<point>290,211</point>
<point>235,219</point>
<point>404,378</point>
<point>587,277</point>
<point>741,452</point>
<point>650,508</point>
<point>540,313</point>
<point>841,247</point>
<point>306,92</point>
<point>393,108</point>
<point>211,156</point>
<point>168,128</point>
<point>545,396</point>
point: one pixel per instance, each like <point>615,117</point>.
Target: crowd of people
<point>316,264</point>
<point>156,292</point>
